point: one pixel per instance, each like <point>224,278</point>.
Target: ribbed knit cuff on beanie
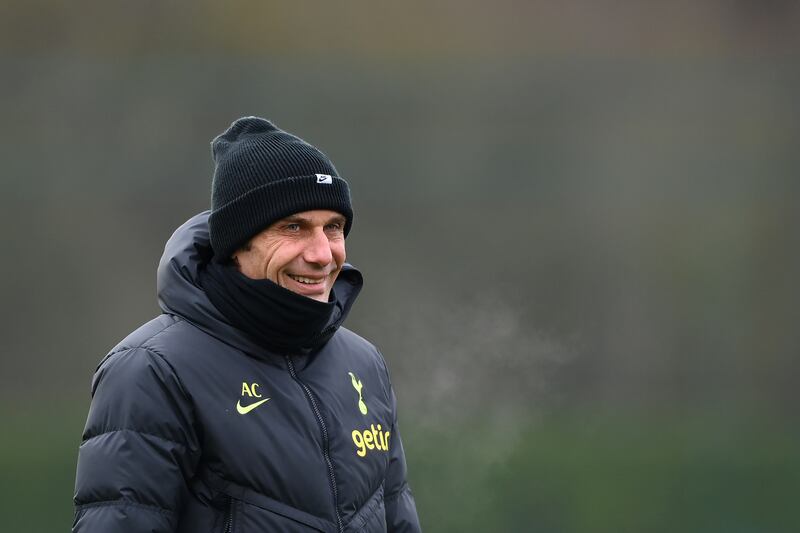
<point>264,174</point>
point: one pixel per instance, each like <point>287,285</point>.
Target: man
<point>245,406</point>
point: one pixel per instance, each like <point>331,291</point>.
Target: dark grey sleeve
<point>138,449</point>
<point>401,510</point>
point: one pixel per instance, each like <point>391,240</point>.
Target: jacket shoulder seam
<point>123,502</point>
<point>143,343</point>
<point>157,353</point>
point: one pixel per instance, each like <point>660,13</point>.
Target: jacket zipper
<point>325,444</point>
<point>229,520</point>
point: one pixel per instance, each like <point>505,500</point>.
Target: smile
<point>306,281</point>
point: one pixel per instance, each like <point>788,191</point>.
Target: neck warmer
<point>276,318</point>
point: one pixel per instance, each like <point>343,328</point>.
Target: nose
<point>318,249</point>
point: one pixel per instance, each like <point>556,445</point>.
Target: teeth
<point>307,281</point>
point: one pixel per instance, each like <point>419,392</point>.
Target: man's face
<point>303,252</point>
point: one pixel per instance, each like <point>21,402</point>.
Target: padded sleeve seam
<point>159,437</point>
<point>398,493</point>
<point>123,502</point>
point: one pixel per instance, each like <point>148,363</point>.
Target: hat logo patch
<point>324,178</point>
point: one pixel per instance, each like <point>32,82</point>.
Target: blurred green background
<point>577,223</point>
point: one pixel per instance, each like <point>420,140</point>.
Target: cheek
<point>251,263</point>
<point>338,252</point>
<point>278,260</point>
<point>273,268</point>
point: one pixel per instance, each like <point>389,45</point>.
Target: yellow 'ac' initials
<point>250,390</point>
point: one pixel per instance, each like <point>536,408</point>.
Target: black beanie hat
<point>264,174</point>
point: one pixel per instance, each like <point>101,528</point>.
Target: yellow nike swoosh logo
<point>247,408</point>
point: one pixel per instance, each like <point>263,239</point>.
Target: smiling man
<point>246,406</point>
<point>303,253</point>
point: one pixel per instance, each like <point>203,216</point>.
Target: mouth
<point>315,287</point>
<point>304,280</point>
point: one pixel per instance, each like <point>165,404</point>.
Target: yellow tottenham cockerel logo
<point>358,386</point>
<point>371,438</point>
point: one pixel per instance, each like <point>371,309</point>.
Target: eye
<point>333,227</point>
<point>292,226</point>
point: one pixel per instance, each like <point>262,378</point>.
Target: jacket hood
<point>180,292</point>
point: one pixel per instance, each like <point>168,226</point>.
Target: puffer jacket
<point>194,428</point>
